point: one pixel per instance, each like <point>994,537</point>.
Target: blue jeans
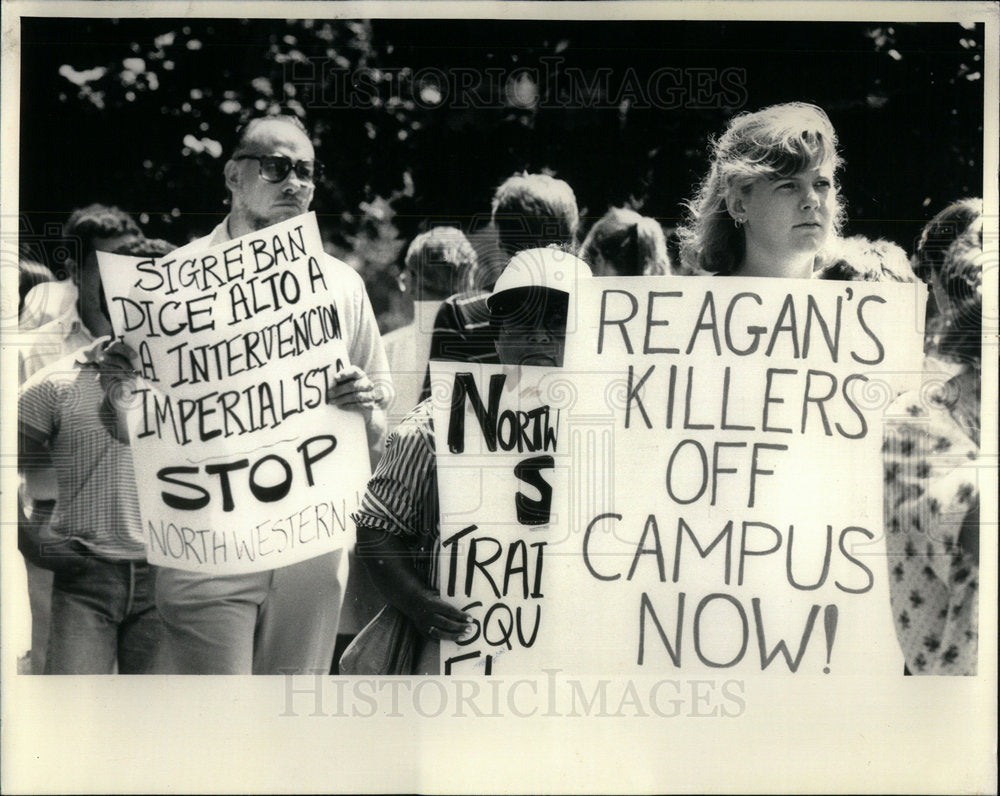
<point>103,614</point>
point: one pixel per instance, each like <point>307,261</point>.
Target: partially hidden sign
<point>502,465</point>
<point>241,464</point>
<point>719,504</point>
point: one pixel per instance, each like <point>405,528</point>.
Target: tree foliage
<point>418,120</point>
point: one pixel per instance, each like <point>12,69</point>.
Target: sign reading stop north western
<point>241,464</point>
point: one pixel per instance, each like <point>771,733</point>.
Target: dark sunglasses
<point>275,168</point>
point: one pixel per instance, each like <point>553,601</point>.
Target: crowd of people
<point>769,206</point>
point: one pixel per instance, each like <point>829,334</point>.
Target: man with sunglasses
<point>282,620</point>
<point>271,176</point>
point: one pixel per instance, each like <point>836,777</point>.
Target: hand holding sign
<point>241,463</point>
<point>352,389</point>
<point>116,372</point>
<point>437,619</point>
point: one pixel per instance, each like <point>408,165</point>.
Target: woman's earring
<point>738,222</point>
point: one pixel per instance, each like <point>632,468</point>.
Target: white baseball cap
<point>551,268</point>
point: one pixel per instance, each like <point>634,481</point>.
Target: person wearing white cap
<point>398,520</point>
<point>528,212</point>
<point>529,305</point>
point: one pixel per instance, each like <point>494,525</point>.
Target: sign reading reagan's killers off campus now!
<point>698,489</point>
<point>241,464</point>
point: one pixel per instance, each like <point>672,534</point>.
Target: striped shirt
<point>98,504</point>
<point>462,332</point>
<point>402,495</point>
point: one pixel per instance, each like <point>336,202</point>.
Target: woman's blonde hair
<point>632,244</point>
<point>776,142</point>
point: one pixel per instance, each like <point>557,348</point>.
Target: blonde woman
<point>770,205</point>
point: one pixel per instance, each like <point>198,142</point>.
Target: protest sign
<point>500,463</point>
<point>722,488</point>
<point>241,464</point>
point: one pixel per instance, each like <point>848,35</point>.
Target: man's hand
<point>352,389</point>
<point>116,362</point>
<point>42,545</point>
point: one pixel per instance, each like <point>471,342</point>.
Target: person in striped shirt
<point>103,618</point>
<point>398,521</point>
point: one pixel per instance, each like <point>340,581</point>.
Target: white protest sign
<point>500,461</point>
<point>721,489</point>
<point>740,525</point>
<point>241,464</point>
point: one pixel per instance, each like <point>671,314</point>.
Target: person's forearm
<point>32,451</point>
<point>388,560</point>
<point>114,420</point>
<point>376,427</point>
<point>41,483</point>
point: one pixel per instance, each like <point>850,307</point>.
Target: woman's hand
<point>388,560</point>
<point>437,619</point>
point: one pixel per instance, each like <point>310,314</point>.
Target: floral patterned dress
<point>931,510</point>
